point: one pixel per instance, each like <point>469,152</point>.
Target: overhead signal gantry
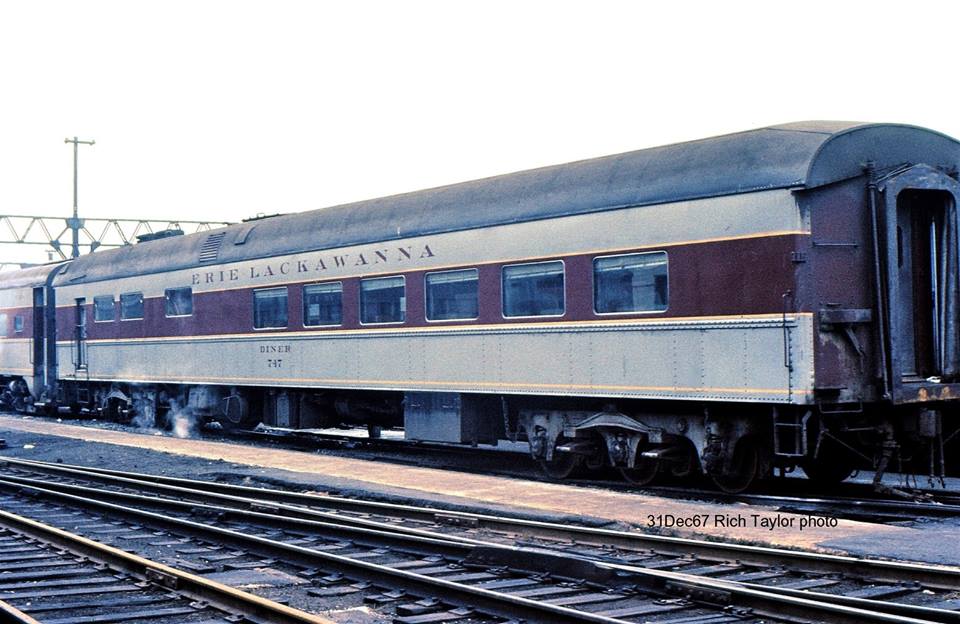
<point>53,232</point>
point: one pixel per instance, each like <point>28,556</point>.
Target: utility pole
<point>75,223</point>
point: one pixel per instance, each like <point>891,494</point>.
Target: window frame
<point>503,291</point>
<point>81,326</point>
<point>143,306</point>
<point>3,325</point>
<point>403,278</point>
<point>426,303</point>
<point>286,292</point>
<point>18,324</point>
<point>303,303</point>
<point>593,280</point>
<point>113,307</point>
<point>166,300</point>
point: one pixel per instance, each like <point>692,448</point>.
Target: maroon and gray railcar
<point>781,297</point>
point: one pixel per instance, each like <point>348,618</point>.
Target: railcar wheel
<point>228,425</point>
<point>685,464</point>
<point>830,471</point>
<point>562,465</point>
<point>827,474</point>
<point>745,469</point>
<point>19,404</point>
<point>643,472</point>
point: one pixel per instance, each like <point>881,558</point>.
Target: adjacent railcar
<point>770,299</point>
<point>27,360</point>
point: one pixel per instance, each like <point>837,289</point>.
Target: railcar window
<point>270,308</point>
<point>131,306</point>
<point>630,283</point>
<point>18,324</point>
<point>3,325</point>
<point>533,289</point>
<point>178,301</point>
<point>382,300</point>
<point>323,304</point>
<point>104,309</point>
<point>452,295</point>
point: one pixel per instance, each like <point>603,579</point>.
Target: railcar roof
<point>27,278</point>
<point>796,155</point>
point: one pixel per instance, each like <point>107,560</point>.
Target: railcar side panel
<point>15,353</point>
<point>745,216</point>
<point>840,246</point>
<point>16,329</point>
<point>729,359</point>
<point>721,310</point>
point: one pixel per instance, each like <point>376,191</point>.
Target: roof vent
<point>152,236</point>
<point>211,247</point>
<point>260,216</point>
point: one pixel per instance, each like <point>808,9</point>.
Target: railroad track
<point>52,576</point>
<point>479,566</point>
<point>855,501</point>
<point>869,508</point>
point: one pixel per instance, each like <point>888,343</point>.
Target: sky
<point>209,110</point>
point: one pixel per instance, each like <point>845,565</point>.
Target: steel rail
<point>300,440</point>
<point>752,595</point>
<point>487,601</point>
<point>422,542</point>
<point>848,504</point>
<point>907,610</point>
<point>12,615</point>
<point>933,576</point>
<point>799,607</point>
<point>274,509</point>
<point>223,597</point>
<point>936,504</point>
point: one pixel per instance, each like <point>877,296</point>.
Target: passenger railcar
<point>776,298</point>
<point>27,359</point>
